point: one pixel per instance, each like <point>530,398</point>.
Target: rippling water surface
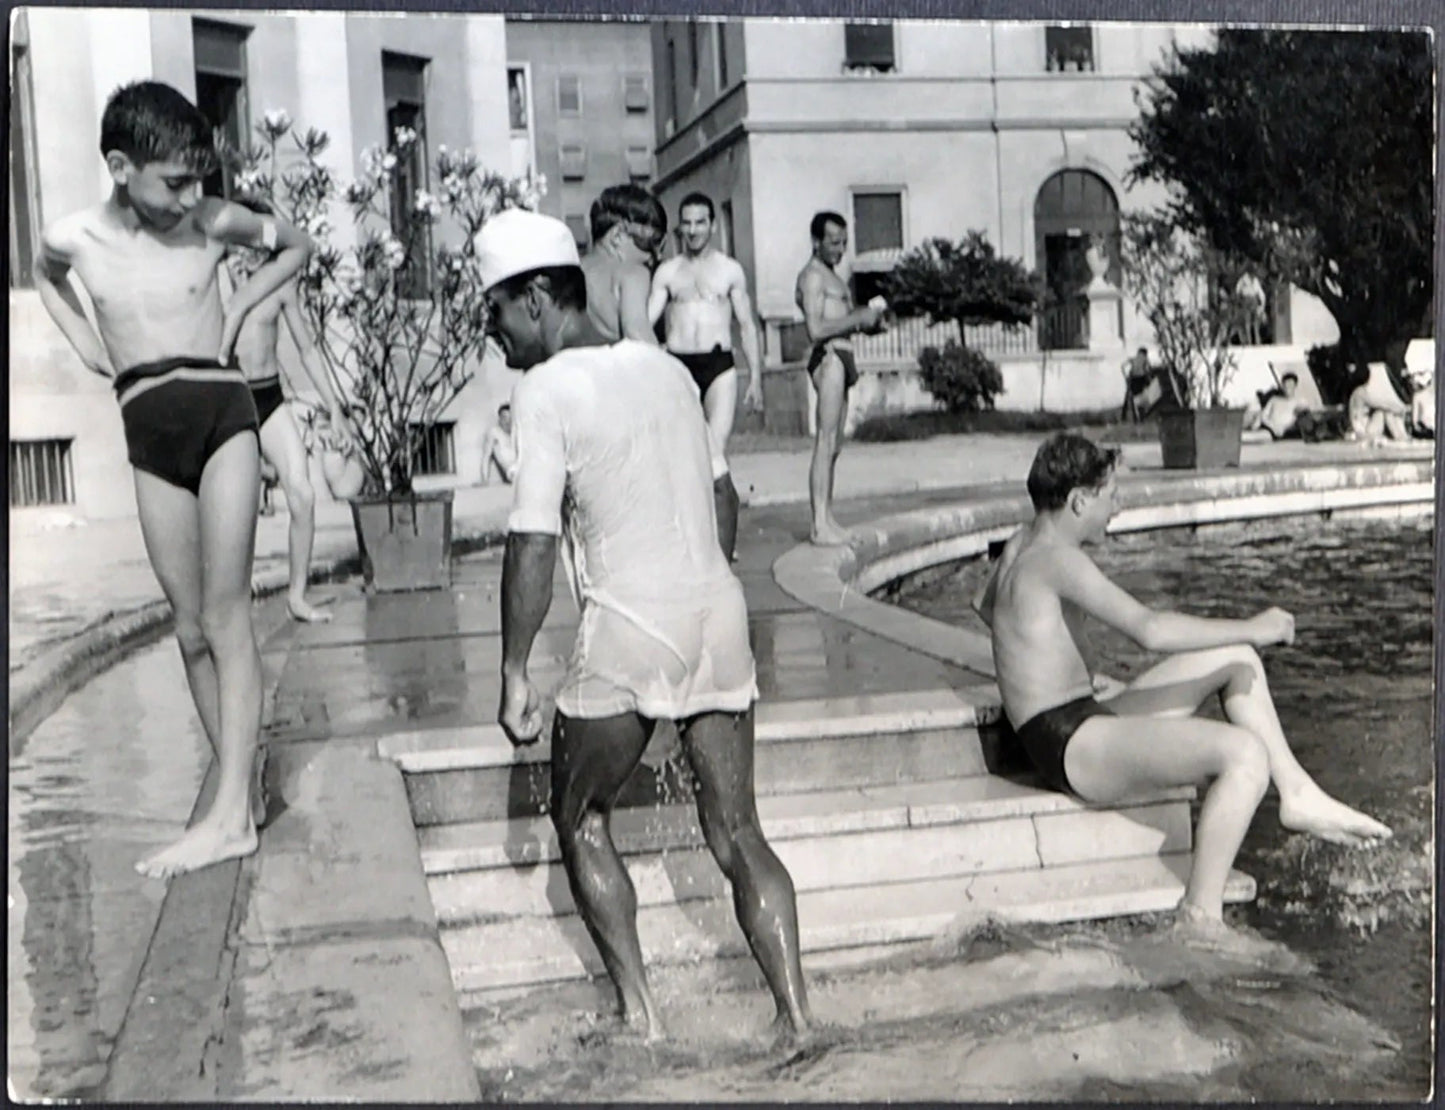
<point>108,778</point>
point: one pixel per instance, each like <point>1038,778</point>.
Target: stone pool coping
<point>838,579</point>
<point>59,669</point>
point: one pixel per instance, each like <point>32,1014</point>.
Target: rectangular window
<point>220,51</point>
<point>569,95</point>
<point>578,226</point>
<point>40,473</point>
<point>675,119</point>
<point>868,47</point>
<point>403,88</point>
<point>436,450</point>
<point>877,221</point>
<point>720,33</point>
<point>24,203</point>
<point>727,226</point>
<point>639,164</point>
<point>1069,49</point>
<point>574,161</point>
<point>693,51</point>
<point>517,106</point>
<point>634,92</point>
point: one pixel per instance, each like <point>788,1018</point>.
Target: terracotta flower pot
<point>1200,439</point>
<point>405,542</point>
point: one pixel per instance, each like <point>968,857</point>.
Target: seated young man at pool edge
<point>1083,735</point>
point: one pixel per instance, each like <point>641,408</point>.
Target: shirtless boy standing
<point>832,321</point>
<point>281,446</point>
<point>149,258</point>
<point>1098,749</point>
<point>628,226</point>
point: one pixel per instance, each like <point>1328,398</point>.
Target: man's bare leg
<point>720,750</point>
<point>1179,684</point>
<point>591,762</point>
<point>1112,759</point>
<point>719,405</point>
<point>831,385</point>
<point>227,512</point>
<point>281,445</point>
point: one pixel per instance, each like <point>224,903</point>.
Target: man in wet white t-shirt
<point>614,454</point>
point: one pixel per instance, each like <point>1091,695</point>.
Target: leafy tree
<point>1308,153</point>
<point>966,282</point>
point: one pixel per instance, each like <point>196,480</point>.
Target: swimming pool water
<point>1354,693</point>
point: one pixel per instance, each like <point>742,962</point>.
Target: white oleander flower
<point>426,204</point>
<point>405,137</point>
<point>388,162</point>
<point>395,252</point>
<point>276,122</point>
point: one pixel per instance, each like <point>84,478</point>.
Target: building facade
<point>916,129</point>
<point>580,109</point>
<point>355,76</point>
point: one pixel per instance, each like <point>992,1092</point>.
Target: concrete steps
<point>881,807</point>
<point>464,775</point>
<point>525,950</point>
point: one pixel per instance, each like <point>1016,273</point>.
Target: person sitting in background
<point>1281,409</point>
<point>499,449</point>
<point>1377,411</point>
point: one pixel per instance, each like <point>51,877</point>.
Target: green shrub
<point>960,378</point>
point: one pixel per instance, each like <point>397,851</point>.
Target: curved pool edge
<point>837,580</point>
<point>39,687</point>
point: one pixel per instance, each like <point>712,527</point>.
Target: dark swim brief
<point>178,412</point>
<point>850,365</point>
<point>268,396</point>
<point>1046,735</point>
<point>706,366</point>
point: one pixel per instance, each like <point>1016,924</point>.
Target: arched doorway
<point>1073,208</point>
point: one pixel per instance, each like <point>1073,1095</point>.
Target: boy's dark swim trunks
<point>1046,735</point>
<point>178,412</point>
<point>268,396</point>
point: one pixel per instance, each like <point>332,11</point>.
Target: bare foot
<point>606,1032</point>
<point>303,611</point>
<point>1198,929</point>
<point>200,846</point>
<point>1310,810</point>
<point>796,1036</point>
<point>829,534</point>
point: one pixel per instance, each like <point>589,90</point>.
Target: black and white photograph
<point>622,558</point>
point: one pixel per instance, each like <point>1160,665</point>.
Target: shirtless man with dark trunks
<point>149,258</point>
<point>1106,741</point>
<point>832,321</point>
<point>628,227</point>
<point>702,291</point>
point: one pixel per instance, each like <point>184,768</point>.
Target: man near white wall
<point>832,321</point>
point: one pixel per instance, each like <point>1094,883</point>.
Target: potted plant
<point>399,321</point>
<point>1189,293</point>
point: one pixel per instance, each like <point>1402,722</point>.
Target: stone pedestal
<point>1106,325</point>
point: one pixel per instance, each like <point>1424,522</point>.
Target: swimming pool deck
<point>313,970</point>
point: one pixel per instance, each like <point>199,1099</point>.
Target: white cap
<point>517,241</point>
